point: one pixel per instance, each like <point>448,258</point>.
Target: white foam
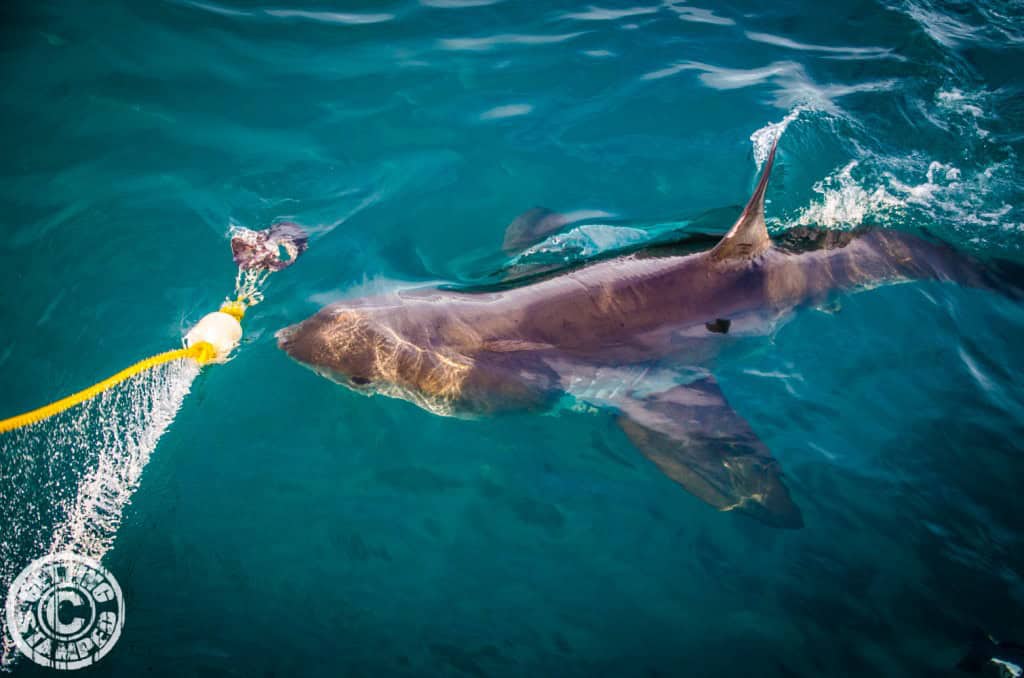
<point>900,188</point>
<point>844,203</point>
<point>937,176</point>
<point>763,138</point>
<point>963,111</point>
<point>147,406</point>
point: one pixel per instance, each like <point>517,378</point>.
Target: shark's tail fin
<point>979,653</point>
<point>749,235</point>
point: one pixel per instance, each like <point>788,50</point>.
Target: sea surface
<point>263,521</point>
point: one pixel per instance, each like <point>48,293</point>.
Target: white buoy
<point>220,330</point>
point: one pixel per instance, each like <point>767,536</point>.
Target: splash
<point>126,439</point>
<point>940,196</point>
<point>249,284</point>
<point>845,203</point>
<point>68,480</point>
<point>763,138</point>
<point>962,111</point>
<point>968,195</point>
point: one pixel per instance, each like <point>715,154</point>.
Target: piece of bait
<point>271,249</point>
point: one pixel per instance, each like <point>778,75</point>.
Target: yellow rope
<point>202,352</point>
<point>235,309</point>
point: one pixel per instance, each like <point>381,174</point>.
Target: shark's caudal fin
<point>749,235</point>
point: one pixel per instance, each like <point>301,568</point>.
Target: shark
<point>633,336</point>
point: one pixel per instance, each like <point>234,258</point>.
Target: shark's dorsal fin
<point>749,235</point>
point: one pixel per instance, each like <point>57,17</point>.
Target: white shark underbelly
<point>587,387</point>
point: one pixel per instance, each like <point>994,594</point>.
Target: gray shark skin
<point>632,335</point>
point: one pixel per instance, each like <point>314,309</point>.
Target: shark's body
<point>633,335</point>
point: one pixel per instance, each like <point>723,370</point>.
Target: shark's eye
<point>360,381</point>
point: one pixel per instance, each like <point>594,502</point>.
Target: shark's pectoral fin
<point>697,440</point>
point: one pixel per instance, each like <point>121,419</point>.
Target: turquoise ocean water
<point>283,526</point>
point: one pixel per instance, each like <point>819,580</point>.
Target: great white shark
<point>633,335</point>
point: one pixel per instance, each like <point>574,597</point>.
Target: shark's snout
<point>288,340</point>
<point>341,348</point>
<point>284,337</point>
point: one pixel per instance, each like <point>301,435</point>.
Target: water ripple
<point>698,15</point>
<point>602,14</point>
<point>458,4</point>
<point>845,52</point>
<point>217,9</point>
<point>492,41</point>
<point>348,18</point>
<point>509,111</point>
<point>793,85</point>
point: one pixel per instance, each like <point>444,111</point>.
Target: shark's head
<point>367,351</point>
<point>340,344</point>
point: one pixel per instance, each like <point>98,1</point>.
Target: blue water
<point>285,526</point>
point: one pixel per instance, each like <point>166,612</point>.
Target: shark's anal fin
<point>749,235</point>
<point>697,440</point>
